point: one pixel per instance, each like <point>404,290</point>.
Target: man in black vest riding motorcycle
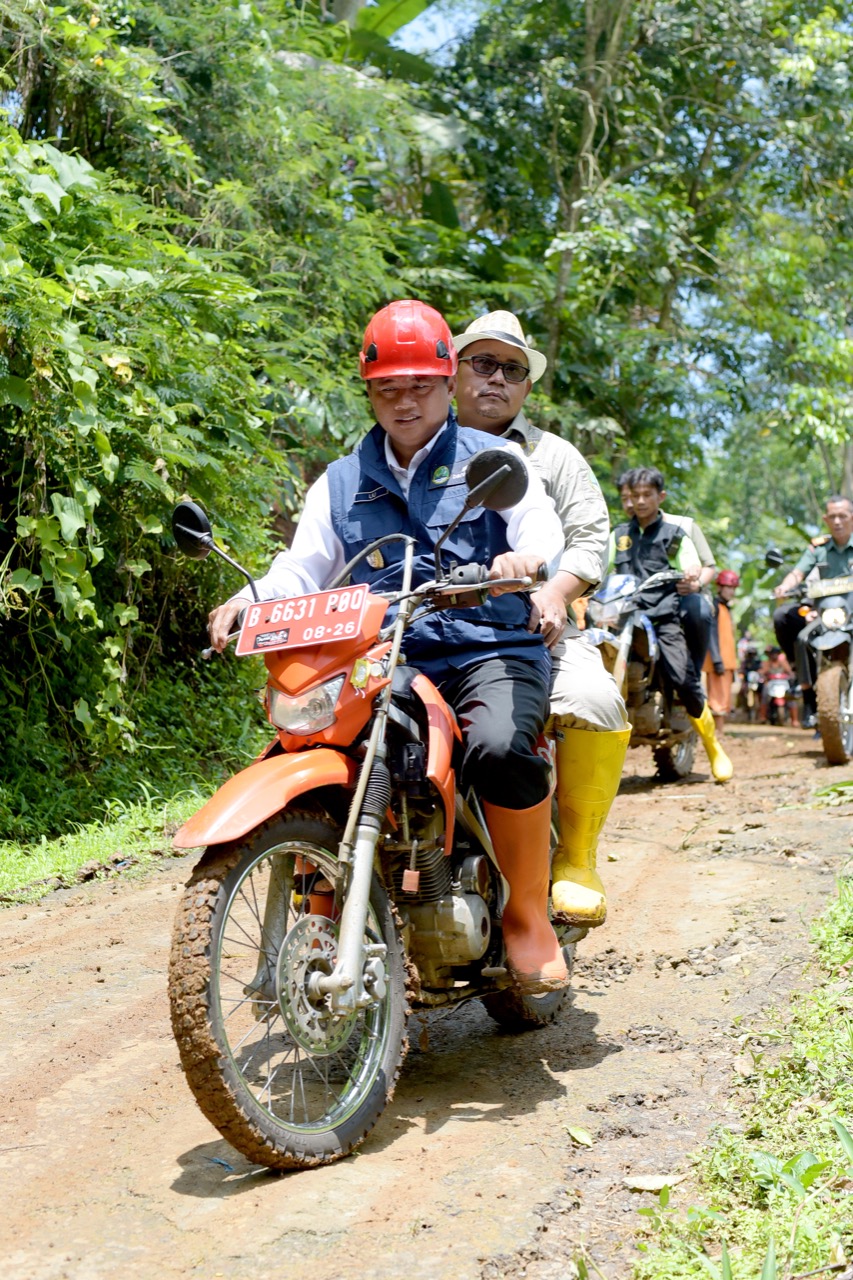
<point>646,545</point>
<point>408,475</point>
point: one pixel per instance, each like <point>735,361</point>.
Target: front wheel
<point>288,1084</point>
<point>676,761</point>
<point>835,713</point>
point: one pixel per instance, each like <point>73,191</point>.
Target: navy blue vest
<point>367,502</point>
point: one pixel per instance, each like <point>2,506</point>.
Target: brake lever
<point>208,653</point>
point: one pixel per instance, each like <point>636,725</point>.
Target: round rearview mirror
<point>192,531</point>
<point>773,558</point>
<point>496,478</point>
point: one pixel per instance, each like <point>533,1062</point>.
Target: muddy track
<point>109,1169</point>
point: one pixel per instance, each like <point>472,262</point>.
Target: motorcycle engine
<point>637,677</point>
<point>446,918</point>
<point>647,718</point>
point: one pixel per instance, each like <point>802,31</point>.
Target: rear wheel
<point>283,1080</point>
<point>676,761</point>
<point>835,713</point>
<point>517,1012</point>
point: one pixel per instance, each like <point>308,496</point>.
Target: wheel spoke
<point>286,1048</point>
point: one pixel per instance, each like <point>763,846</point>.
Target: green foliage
<point>187,327</point>
<point>126,377</point>
<point>778,1194</point>
<point>201,203</point>
<point>127,841</point>
<point>195,726</point>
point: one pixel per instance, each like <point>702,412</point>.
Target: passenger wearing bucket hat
<point>497,368</point>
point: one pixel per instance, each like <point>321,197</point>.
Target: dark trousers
<point>788,622</point>
<point>679,672</point>
<point>502,705</point>
<point>697,619</point>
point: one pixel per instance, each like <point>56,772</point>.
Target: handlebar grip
<point>541,574</point>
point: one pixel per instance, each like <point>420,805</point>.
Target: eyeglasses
<point>485,366</point>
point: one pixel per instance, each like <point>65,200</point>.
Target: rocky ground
<point>481,1167</point>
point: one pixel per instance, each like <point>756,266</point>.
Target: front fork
<point>358,978</point>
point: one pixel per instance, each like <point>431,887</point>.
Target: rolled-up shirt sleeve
<point>580,506</point>
<point>806,562</point>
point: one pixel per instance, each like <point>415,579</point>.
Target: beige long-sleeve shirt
<point>571,485</point>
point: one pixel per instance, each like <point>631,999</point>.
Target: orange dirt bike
<point>346,879</point>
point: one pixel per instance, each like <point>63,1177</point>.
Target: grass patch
<point>194,727</point>
<point>777,1199</point>
<point>130,840</point>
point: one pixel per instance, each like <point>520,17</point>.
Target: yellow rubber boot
<point>521,840</point>
<point>721,766</point>
<point>589,766</point>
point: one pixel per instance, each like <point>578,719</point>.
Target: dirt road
<point>109,1170</point>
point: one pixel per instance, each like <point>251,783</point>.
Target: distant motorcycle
<point>749,698</point>
<point>778,695</point>
<point>828,609</point>
<point>629,648</point>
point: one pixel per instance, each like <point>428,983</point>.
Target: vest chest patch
<point>370,495</point>
<point>624,543</point>
<point>441,475</point>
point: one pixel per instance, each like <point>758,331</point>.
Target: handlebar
<point>208,653</point>
<point>465,586</point>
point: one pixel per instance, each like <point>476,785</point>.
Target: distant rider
<point>497,368</point>
<point>832,557</point>
<point>646,545</point>
<point>697,610</point>
<point>722,661</point>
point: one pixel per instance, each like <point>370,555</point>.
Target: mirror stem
<point>474,499</point>
<point>235,565</point>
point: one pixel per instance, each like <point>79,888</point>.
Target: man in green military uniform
<point>832,557</point>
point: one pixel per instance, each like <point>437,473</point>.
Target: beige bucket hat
<point>503,326</point>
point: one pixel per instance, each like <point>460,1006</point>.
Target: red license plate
<point>302,621</point>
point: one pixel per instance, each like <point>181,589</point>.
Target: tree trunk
<point>597,75</point>
<point>347,10</point>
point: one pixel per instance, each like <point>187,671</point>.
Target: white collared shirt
<point>317,555</point>
<point>405,475</point>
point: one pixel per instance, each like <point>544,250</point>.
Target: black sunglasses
<point>487,365</point>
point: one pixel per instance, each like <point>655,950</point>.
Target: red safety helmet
<point>727,578</point>
<point>406,338</point>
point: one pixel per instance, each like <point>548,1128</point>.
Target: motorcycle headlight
<point>308,712</point>
<point>604,613</point>
<point>834,618</point>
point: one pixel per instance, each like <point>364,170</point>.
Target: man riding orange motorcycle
<point>407,475</point>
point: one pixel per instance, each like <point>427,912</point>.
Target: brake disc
<point>310,947</point>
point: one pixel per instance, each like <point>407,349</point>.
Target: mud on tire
<point>677,761</point>
<point>833,701</point>
<point>517,1012</point>
<point>282,1081</point>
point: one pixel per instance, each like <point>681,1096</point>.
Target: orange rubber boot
<point>521,840</point>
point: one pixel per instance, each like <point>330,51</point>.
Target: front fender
<point>264,788</point>
<point>828,640</point>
